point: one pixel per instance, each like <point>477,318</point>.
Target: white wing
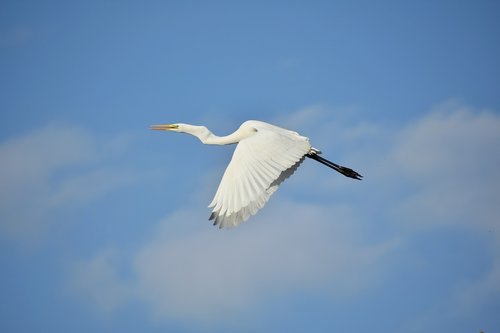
<point>258,166</point>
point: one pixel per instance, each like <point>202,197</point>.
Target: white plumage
<point>265,156</point>
<point>259,164</point>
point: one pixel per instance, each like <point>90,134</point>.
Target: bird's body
<point>264,157</point>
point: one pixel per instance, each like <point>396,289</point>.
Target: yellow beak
<point>165,127</point>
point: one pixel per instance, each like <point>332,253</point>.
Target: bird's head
<point>198,131</point>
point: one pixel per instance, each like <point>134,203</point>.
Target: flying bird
<point>264,157</point>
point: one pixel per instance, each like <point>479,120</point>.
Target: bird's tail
<point>342,169</point>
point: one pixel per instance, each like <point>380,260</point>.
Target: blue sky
<point>103,223</point>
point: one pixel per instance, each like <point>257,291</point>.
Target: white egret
<point>264,157</point>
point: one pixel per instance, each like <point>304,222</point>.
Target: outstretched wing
<point>258,166</point>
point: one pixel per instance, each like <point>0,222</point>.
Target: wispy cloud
<point>207,273</point>
<point>199,275</point>
<point>28,165</point>
<point>449,156</point>
<point>99,282</point>
<point>47,170</point>
<point>448,161</point>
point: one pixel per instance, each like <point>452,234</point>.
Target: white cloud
<point>448,168</point>
<point>452,142</point>
<point>85,187</point>
<point>200,276</point>
<point>450,158</point>
<point>28,163</point>
<point>46,171</point>
<point>295,248</point>
<point>98,281</point>
<point>440,169</point>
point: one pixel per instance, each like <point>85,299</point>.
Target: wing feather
<point>258,166</point>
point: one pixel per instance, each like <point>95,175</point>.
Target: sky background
<point>104,225</point>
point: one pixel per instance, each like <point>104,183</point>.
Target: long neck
<point>208,138</point>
